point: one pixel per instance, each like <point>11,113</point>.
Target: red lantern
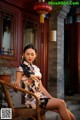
<point>42,8</point>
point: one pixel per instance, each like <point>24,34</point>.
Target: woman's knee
<point>62,103</point>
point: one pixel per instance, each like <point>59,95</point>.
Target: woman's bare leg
<point>71,115</point>
<point>60,105</point>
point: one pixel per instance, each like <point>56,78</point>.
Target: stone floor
<point>52,116</point>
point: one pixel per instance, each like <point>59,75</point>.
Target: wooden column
<point>77,33</point>
<point>44,52</point>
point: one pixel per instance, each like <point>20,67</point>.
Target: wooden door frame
<point>43,51</point>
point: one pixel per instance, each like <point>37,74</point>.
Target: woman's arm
<point>45,92</point>
<point>18,78</point>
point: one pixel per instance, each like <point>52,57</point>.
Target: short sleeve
<point>19,69</point>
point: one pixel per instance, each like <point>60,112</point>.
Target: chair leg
<point>43,117</point>
<point>30,119</point>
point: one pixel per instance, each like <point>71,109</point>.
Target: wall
<point>52,68</point>
<point>56,53</point>
<point>52,54</point>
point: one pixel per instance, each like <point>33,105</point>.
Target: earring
<point>21,58</point>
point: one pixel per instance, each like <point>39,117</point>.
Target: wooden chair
<point>22,112</point>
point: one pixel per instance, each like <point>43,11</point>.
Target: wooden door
<point>70,60</point>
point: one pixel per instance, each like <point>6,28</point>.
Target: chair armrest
<point>2,82</point>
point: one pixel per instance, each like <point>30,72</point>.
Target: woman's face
<point>29,55</point>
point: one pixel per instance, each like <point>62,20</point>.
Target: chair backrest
<point>17,111</point>
<point>7,95</point>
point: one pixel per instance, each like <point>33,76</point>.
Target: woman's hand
<point>18,79</point>
<point>33,77</point>
<point>45,92</point>
<point>17,84</point>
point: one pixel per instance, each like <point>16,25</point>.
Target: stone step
<point>73,102</point>
<point>77,114</point>
<point>73,107</point>
<point>76,97</point>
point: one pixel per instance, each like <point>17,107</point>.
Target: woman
<point>30,75</point>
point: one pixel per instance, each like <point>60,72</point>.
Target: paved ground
<point>52,116</point>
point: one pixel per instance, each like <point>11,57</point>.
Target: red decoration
<point>6,77</point>
<point>42,8</point>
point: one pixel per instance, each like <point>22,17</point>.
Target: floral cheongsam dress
<point>32,85</point>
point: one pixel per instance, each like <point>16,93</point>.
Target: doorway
<point>70,58</point>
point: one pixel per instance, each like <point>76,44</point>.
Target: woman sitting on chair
<point>30,75</point>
